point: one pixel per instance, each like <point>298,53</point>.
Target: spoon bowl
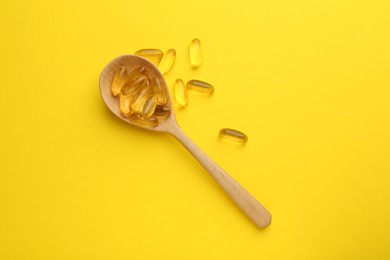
<point>112,102</point>
<point>251,207</point>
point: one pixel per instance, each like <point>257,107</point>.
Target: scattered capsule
<point>124,104</point>
<point>150,122</point>
<point>195,53</point>
<point>233,135</point>
<point>162,111</point>
<point>134,85</point>
<point>200,86</point>
<point>149,107</point>
<point>119,80</point>
<point>180,91</point>
<point>139,100</point>
<point>159,91</point>
<point>167,61</point>
<point>153,55</point>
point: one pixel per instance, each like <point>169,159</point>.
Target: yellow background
<point>308,81</point>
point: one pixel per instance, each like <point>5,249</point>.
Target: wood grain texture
<point>253,209</point>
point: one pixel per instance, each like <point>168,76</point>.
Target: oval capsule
<point>233,135</point>
<point>150,122</point>
<point>180,91</point>
<point>118,80</point>
<point>162,111</point>
<point>153,55</point>
<point>159,91</point>
<point>124,104</point>
<point>167,61</point>
<point>200,86</point>
<point>136,72</point>
<point>149,107</point>
<point>139,100</point>
<point>134,85</point>
<point>195,53</point>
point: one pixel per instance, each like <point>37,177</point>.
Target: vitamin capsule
<point>139,100</point>
<point>162,111</point>
<point>153,55</point>
<point>200,86</point>
<point>150,122</point>
<point>119,80</point>
<point>149,107</point>
<point>133,86</point>
<point>195,53</point>
<point>180,91</point>
<point>159,91</point>
<point>124,104</point>
<point>136,72</point>
<point>167,61</point>
<point>233,135</point>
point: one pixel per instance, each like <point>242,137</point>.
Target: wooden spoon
<point>255,211</point>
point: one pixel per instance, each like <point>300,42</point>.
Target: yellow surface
<point>308,81</point>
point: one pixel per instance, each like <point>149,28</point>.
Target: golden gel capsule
<point>134,85</point>
<point>150,122</point>
<point>180,91</point>
<point>119,80</point>
<point>139,100</point>
<point>136,72</point>
<point>153,55</point>
<point>159,91</point>
<point>149,107</point>
<point>233,135</point>
<point>195,53</point>
<point>162,111</point>
<point>124,104</point>
<point>167,61</point>
<point>200,86</point>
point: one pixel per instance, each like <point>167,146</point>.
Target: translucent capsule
<point>167,61</point>
<point>153,55</point>
<point>119,80</point>
<point>124,104</point>
<point>180,91</point>
<point>150,122</point>
<point>195,53</point>
<point>139,100</point>
<point>200,86</point>
<point>233,135</point>
<point>149,107</point>
<point>159,91</point>
<point>134,85</point>
<point>162,111</point>
<point>136,73</point>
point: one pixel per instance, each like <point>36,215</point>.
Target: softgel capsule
<point>140,95</point>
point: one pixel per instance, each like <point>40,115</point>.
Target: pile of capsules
<point>144,100</point>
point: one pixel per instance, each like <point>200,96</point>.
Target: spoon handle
<point>253,209</point>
